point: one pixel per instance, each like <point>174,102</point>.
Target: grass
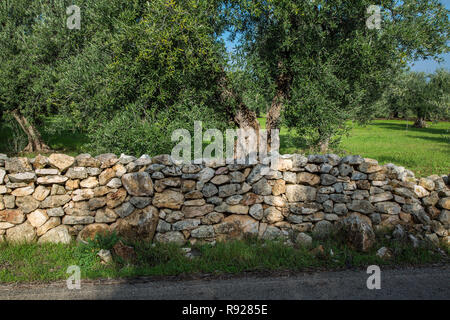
<point>24,263</point>
<point>424,151</point>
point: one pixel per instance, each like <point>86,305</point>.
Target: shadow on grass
<point>403,127</point>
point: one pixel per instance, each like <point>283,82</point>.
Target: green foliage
<point>328,65</point>
<point>49,262</point>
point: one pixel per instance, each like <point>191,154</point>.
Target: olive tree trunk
<point>35,141</point>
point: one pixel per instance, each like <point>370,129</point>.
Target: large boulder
<point>358,232</point>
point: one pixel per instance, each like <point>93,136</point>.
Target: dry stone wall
<point>62,198</point>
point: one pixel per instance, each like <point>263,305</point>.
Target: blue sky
<point>428,66</point>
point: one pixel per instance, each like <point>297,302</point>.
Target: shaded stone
<point>444,203</point>
<point>209,190</point>
<point>171,237</point>
<point>381,197</point>
<point>55,212</point>
<point>327,179</point>
<point>124,210</point>
<point>388,207</point>
<point>230,190</point>
<point>25,177</point>
<point>362,206</point>
<point>304,240</point>
<point>358,232</point>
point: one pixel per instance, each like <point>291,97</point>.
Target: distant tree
<point>322,62</point>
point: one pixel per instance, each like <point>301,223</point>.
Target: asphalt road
<point>407,283</point>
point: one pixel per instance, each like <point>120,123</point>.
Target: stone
<point>221,179</point>
<point>340,209</point>
<point>140,202</point>
<point>388,207</point>
<point>384,253</point>
<point>22,233</point>
<point>187,224</point>
<point>57,190</point>
<point>256,211</point>
<point>86,160</point>
<point>197,211</point>
<point>362,206</point>
<point>168,199</point>
<point>303,240</point>
<point>55,179</point>
<point>124,210</point>
<point>105,256</point>
<point>299,193</point>
<point>369,166</point>
<point>308,178</point>
<point>22,192</point>
<point>206,174</point>
<point>109,174</point>
<point>37,218</point>
<point>82,194</point>
<point>105,215</point>
<point>124,252</point>
<point>322,229</point>
<point>175,237</point>
<point>77,220</point>
<point>209,190</point>
<point>59,234</point>
<point>25,177</point>
<point>114,199</point>
<point>89,183</point>
<point>14,165</point>
<point>55,201</point>
<point>107,160</point>
<point>114,183</point>
<point>352,160</point>
<point>47,172</point>
<point>444,203</point>
<point>203,232</point>
<point>404,192</point>
<point>27,204</point>
<point>55,212</point>
<point>426,183</point>
<point>381,197</point>
<point>2,175</point>
<point>15,216</point>
<point>91,231</point>
<point>61,161</point>
<point>444,217</point>
<point>230,190</point>
<point>273,215</point>
<point>77,173</point>
<point>278,187</point>
<point>345,169</point>
<point>358,232</point>
<point>40,193</point>
<point>327,179</point>
<point>431,237</point>
<point>356,175</point>
<point>421,192</point>
<point>138,184</point>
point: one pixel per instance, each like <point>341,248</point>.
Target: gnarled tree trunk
<point>35,141</point>
<point>282,94</point>
<point>420,123</point>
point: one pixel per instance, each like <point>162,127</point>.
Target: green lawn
<point>49,262</point>
<point>424,151</point>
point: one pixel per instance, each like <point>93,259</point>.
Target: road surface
<point>405,283</point>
